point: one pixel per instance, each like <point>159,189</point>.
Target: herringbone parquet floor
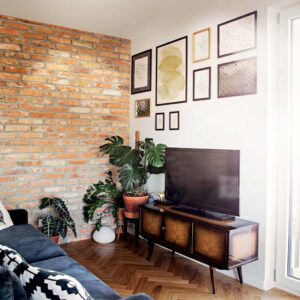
<point>165,277</point>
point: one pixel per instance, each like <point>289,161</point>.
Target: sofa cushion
<point>30,243</point>
<point>5,219</point>
<point>41,284</point>
<point>64,264</point>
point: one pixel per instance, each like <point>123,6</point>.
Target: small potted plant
<point>135,166</point>
<point>57,222</point>
<point>102,200</point>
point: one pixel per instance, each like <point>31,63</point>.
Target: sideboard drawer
<point>151,223</point>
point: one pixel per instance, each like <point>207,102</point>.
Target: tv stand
<point>219,244</point>
<point>204,213</point>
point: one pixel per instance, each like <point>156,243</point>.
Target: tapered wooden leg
<point>239,269</point>
<point>136,233</point>
<point>212,279</point>
<point>150,250</point>
<point>125,230</point>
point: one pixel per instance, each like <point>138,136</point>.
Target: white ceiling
<point>123,18</point>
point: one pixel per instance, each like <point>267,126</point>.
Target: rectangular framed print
<point>202,84</point>
<point>237,78</point>
<point>171,72</point>
<point>142,108</point>
<point>237,35</point>
<point>174,120</point>
<point>141,72</point>
<point>201,45</point>
<point>160,121</point>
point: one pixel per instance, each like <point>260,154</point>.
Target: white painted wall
<point>229,123</point>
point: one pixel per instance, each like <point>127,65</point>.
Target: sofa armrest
<point>19,216</point>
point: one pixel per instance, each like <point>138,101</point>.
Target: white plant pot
<point>104,236</point>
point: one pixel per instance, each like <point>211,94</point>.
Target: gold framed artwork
<point>142,108</point>
<point>201,45</point>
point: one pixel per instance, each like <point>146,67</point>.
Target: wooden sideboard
<point>219,244</point>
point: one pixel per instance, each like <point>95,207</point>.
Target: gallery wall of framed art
<point>205,64</point>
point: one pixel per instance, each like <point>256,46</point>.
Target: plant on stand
<point>102,200</point>
<point>57,222</point>
<point>135,166</point>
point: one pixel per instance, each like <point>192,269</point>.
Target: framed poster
<point>237,35</point>
<point>201,84</point>
<point>171,72</point>
<point>201,45</point>
<point>141,72</point>
<point>174,120</point>
<point>142,108</point>
<point>237,78</point>
<point>160,121</point>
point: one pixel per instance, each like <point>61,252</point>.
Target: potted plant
<point>135,165</point>
<point>57,222</point>
<point>103,194</point>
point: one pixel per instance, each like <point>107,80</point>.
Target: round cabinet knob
<point>163,228</point>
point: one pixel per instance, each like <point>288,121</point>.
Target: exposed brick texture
<point>62,91</point>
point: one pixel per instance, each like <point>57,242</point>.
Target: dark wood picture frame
<point>171,126</point>
<point>134,58</point>
<point>247,85</point>
<point>163,121</point>
<point>186,71</point>
<point>209,84</point>
<point>231,21</point>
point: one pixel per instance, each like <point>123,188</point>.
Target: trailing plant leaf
<point>100,194</point>
<point>131,177</point>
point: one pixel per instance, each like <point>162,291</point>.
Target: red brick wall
<point>62,91</point>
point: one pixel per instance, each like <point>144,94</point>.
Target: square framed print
<point>142,108</point>
<point>171,72</point>
<point>202,84</point>
<point>237,35</point>
<point>237,78</point>
<point>201,45</point>
<point>174,120</point>
<point>141,65</point>
<point>160,121</point>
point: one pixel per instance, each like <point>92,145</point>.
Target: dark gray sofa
<point>41,252</point>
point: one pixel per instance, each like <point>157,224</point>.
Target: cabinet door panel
<point>210,243</point>
<point>178,232</point>
<point>151,223</point>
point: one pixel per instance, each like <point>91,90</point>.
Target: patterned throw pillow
<point>5,219</point>
<point>41,284</point>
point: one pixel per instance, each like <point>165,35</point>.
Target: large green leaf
<point>131,177</point>
<point>154,154</point>
<point>114,143</point>
<point>45,202</point>
<point>49,226</point>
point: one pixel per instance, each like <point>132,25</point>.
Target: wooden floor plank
<point>165,277</point>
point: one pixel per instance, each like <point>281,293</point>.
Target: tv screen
<point>203,179</point>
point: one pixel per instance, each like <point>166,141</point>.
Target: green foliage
<point>59,221</point>
<point>134,164</point>
<point>100,194</point>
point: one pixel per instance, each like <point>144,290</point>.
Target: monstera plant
<point>135,166</point>
<point>56,222</point>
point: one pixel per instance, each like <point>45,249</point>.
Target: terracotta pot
<point>132,205</point>
<point>54,239</point>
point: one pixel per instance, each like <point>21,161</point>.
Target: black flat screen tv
<point>203,180</point>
